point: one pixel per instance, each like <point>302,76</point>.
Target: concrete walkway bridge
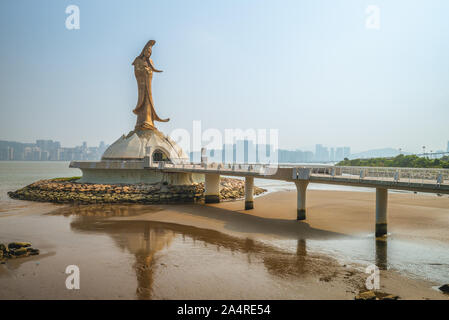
<point>382,179</point>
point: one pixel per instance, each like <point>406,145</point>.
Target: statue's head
<point>147,50</point>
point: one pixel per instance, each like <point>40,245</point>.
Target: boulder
<point>367,295</point>
<point>3,248</point>
<point>20,252</point>
<point>17,245</point>
<point>445,288</point>
<point>390,297</point>
<point>375,295</point>
<point>33,251</point>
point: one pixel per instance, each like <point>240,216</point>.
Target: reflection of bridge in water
<point>382,179</point>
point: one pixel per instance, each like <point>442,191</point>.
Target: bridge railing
<point>411,175</point>
<point>258,168</point>
<point>420,175</point>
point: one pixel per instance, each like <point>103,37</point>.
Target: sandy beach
<point>189,251</point>
<point>329,214</point>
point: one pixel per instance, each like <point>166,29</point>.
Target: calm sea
<point>17,174</point>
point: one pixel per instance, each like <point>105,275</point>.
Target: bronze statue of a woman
<point>143,70</point>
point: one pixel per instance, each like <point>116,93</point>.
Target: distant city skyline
<point>301,148</point>
<point>242,151</point>
<point>310,68</point>
<point>49,150</point>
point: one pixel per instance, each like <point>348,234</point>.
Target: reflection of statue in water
<point>145,249</point>
<point>143,70</point>
<point>146,240</point>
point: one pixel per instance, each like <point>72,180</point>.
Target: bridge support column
<point>301,187</point>
<point>381,211</point>
<point>249,192</point>
<point>212,188</point>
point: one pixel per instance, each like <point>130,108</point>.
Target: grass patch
<point>66,179</point>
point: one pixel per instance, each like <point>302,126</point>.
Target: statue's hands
<point>153,68</point>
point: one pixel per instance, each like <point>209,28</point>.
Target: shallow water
<point>149,260</point>
<point>17,174</point>
<point>427,261</point>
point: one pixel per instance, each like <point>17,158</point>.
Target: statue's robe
<point>146,115</point>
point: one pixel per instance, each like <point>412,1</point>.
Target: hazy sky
<point>308,68</point>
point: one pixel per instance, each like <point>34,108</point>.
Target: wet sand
<point>329,214</point>
<point>221,251</point>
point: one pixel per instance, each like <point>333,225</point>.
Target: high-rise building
<point>10,153</point>
<point>346,152</point>
<point>101,148</point>
<point>47,145</point>
<point>45,156</point>
<point>447,149</point>
<point>321,153</point>
<point>36,154</point>
<point>55,155</point>
<point>339,154</point>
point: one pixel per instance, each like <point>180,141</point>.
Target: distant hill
<point>377,153</point>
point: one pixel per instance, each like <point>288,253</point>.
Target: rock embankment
<point>69,191</point>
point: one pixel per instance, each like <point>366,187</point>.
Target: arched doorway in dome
<point>159,155</point>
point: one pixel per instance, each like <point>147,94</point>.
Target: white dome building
<point>138,144</point>
<point>133,159</point>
